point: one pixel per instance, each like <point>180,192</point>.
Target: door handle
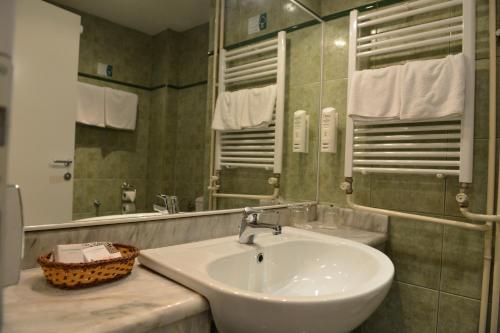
<point>66,163</point>
<point>12,242</point>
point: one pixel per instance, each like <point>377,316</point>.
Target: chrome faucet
<point>250,226</point>
<point>163,207</point>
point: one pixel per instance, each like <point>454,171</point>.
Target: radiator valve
<point>462,199</point>
<point>347,185</point>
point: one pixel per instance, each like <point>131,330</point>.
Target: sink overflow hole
<point>260,258</point>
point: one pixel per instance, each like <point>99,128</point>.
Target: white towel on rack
<point>227,112</point>
<point>120,109</point>
<point>90,105</point>
<point>245,108</point>
<point>258,106</point>
<point>375,94</point>
<point>433,88</point>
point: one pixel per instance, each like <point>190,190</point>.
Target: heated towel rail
<point>258,148</point>
<point>442,148</point>
<point>399,147</point>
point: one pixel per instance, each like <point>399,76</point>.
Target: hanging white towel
<point>245,108</point>
<point>120,109</point>
<point>227,113</point>
<point>90,105</point>
<point>259,106</point>
<point>375,94</point>
<point>433,88</point>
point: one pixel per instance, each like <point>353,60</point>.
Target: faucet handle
<point>249,211</point>
<point>251,215</point>
<point>277,230</point>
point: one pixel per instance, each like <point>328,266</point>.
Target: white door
<point>42,126</point>
<point>7,244</point>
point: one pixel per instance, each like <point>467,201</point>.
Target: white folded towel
<point>120,109</point>
<point>375,94</point>
<point>258,110</point>
<point>90,105</point>
<point>227,114</point>
<point>433,88</point>
<point>245,108</point>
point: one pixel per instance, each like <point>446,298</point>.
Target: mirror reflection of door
<point>42,130</point>
<point>113,117</point>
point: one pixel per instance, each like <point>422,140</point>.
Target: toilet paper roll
<point>128,196</point>
<point>128,208</point>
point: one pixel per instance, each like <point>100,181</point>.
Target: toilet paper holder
<point>127,187</point>
<point>128,193</point>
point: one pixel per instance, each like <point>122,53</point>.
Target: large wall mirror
<point>156,154</point>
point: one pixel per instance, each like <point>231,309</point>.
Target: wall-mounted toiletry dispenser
<point>300,132</point>
<point>329,123</point>
<point>104,69</point>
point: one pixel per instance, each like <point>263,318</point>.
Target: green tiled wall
<point>280,14</point>
<point>163,154</point>
<point>105,158</point>
<point>438,269</point>
<point>128,50</point>
<point>177,152</point>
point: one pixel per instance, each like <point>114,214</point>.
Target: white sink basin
<point>306,282</point>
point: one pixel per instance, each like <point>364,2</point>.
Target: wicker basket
<point>81,275</point>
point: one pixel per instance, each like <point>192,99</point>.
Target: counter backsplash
<point>144,235</point>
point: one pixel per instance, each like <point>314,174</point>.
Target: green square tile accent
<point>457,314</point>
<point>408,193</point>
<point>415,248</point>
<point>462,262</point>
<point>482,36</point>
<point>481,99</point>
<point>407,308</point>
<point>303,56</point>
<point>336,48</point>
<point>294,15</point>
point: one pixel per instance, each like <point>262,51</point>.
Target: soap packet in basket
<point>87,252</point>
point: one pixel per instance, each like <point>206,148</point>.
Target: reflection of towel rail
<point>263,60</point>
<point>254,148</point>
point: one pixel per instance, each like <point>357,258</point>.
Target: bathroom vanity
<point>142,302</point>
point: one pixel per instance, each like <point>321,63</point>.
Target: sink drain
<point>260,258</point>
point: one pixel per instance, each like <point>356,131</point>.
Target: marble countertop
<point>371,238</point>
<point>141,302</point>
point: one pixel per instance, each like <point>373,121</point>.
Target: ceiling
<point>148,16</point>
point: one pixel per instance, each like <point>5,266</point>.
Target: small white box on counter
<point>79,253</point>
<point>69,253</point>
